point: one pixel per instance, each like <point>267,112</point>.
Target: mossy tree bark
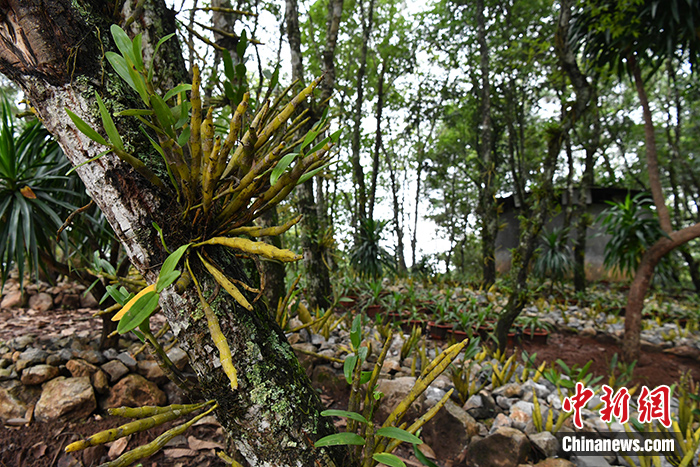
<point>53,49</point>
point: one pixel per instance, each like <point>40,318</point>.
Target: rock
<point>391,366</point>
<point>8,373</point>
<point>92,356</point>
<point>65,355</point>
<point>150,370</point>
<point>78,368</point>
<point>394,391</point>
<point>545,442</point>
<point>70,301</point>
<point>71,398</point>
<point>501,420</point>
<point>10,406</point>
<point>134,390</point>
<point>450,430</point>
<point>55,360</point>
<point>540,389</point>
<point>12,299</point>
<point>87,300</point>
<point>178,357</point>
<point>115,369</point>
<point>509,390</point>
<point>21,342</point>
<point>34,356</point>
<point>519,418</point>
<point>588,331</point>
<point>41,302</point>
<point>100,381</point>
<point>504,402</point>
<point>127,360</point>
<point>174,393</point>
<point>480,406</point>
<point>523,406</point>
<point>110,354</point>
<point>555,463</point>
<point>21,364</point>
<point>507,447</point>
<point>589,461</point>
<point>38,374</point>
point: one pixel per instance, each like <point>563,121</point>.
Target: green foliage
<point>367,257</point>
<point>554,260</point>
<point>33,193</point>
<point>633,227</point>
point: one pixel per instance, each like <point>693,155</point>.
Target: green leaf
<point>164,115</point>
<point>177,90</point>
<point>282,166</point>
<point>240,71</point>
<point>120,295</point>
<point>86,129</point>
<point>169,267</point>
<point>349,367</point>
<point>362,353</point>
<point>229,70</point>
<point>421,457</point>
<point>138,55</point>
<point>242,44</point>
<point>340,439</point>
<point>92,159</point>
<point>308,175</point>
<point>111,130</point>
<point>121,67</point>
<point>138,313</point>
<point>184,137</point>
<point>344,414</point>
<point>228,90</point>
<point>356,332</point>
<point>388,459</point>
<point>168,279</point>
<point>134,112</point>
<point>124,44</point>
<point>398,433</point>
<point>365,377</point>
<point>155,52</point>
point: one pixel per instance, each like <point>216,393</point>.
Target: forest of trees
<point>443,109</point>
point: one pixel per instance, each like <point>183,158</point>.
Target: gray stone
<point>5,362</point>
<point>38,374</point>
<point>480,406</point>
<point>523,406</point>
<point>178,357</point>
<point>507,447</point>
<point>8,373</point>
<point>394,391</point>
<point>65,355</point>
<point>34,356</point>
<point>92,356</point>
<point>127,360</point>
<point>55,360</point>
<point>21,342</point>
<point>110,354</point>
<point>589,461</point>
<point>41,302</point>
<point>10,406</point>
<point>504,402</point>
<point>545,442</point>
<point>540,389</point>
<point>71,398</point>
<point>174,393</point>
<point>115,369</point>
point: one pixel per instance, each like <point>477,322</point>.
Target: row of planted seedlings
<point>446,314</point>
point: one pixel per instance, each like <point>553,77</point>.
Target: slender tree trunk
<point>357,171</point>
<point>419,174</point>
<point>645,271</point>
<point>377,142</point>
<point>528,237</point>
<point>53,50</point>
<point>398,214</point>
<point>487,198</point>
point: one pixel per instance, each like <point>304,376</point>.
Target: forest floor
<point>41,444</point>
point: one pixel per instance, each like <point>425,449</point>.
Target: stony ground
<point>46,344</point>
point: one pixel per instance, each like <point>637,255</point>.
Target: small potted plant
<point>439,326</point>
<point>534,329</point>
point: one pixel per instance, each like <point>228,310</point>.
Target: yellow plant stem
<point>253,248</point>
<point>154,446</point>
<point>217,336</point>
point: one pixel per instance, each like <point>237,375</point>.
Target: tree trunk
<point>53,50</point>
<point>377,141</point>
<point>398,214</point>
<point>358,174</point>
<point>487,197</point>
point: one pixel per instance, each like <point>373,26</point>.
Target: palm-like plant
<point>554,259</point>
<point>367,257</point>
<point>34,196</point>
<point>633,228</point>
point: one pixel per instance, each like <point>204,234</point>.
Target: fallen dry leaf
<point>118,447</point>
<point>179,452</point>
<point>199,444</point>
